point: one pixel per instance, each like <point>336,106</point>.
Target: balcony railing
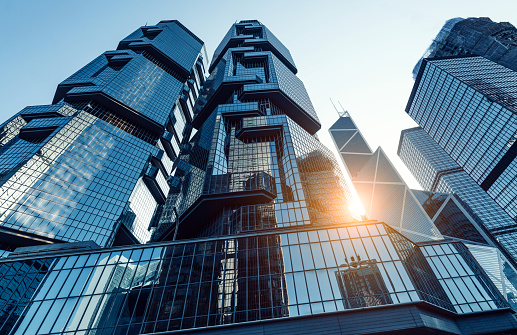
<point>240,182</point>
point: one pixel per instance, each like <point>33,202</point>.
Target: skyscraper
<point>255,234</point>
<point>424,216</point>
<point>254,163</point>
<point>418,215</point>
<point>468,104</point>
<point>438,172</point>
<point>383,193</point>
<point>481,36</point>
<point>93,165</point>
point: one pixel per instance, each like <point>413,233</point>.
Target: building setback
<point>255,234</point>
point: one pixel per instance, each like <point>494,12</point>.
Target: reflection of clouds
<point>48,186</point>
<point>139,212</point>
<point>111,274</point>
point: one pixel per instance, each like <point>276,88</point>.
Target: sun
<point>356,210</point>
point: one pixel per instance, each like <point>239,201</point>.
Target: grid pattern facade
<point>450,217</point>
<point>98,158</point>
<point>76,184</point>
<point>139,84</point>
<point>160,37</point>
<point>498,269</point>
<point>451,265</point>
<point>291,164</point>
<point>231,161</point>
<point>468,106</point>
<point>252,32</point>
<point>183,285</point>
<point>496,41</point>
<point>424,157</point>
<point>503,190</point>
<point>417,150</point>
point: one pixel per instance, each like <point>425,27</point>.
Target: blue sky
<point>360,53</point>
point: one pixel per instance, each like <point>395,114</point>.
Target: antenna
<point>344,113</point>
<point>335,107</point>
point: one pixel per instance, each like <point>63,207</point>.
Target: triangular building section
<point>357,144</point>
<point>354,162</point>
<point>430,201</point>
<point>367,173</point>
<point>386,171</point>
<point>387,203</point>
<point>343,123</point>
<point>364,191</point>
<point>415,219</point>
<point>342,136</point>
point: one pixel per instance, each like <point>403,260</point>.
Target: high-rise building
<point>481,36</point>
<point>422,216</point>
<point>467,107</point>
<point>438,172</point>
<point>94,164</point>
<point>255,234</point>
<point>383,193</point>
<point>468,104</point>
<point>418,215</point>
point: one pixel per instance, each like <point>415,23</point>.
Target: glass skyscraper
<point>94,164</point>
<point>480,36</point>
<point>418,215</point>
<point>423,216</point>
<point>383,194</point>
<point>464,97</point>
<point>466,110</point>
<point>251,226</point>
<point>438,172</point>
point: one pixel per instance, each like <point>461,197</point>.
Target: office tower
<point>383,193</point>
<point>437,172</point>
<point>254,163</point>
<point>94,164</point>
<point>421,216</point>
<point>467,104</point>
<point>481,36</point>
<point>418,215</point>
<point>255,236</point>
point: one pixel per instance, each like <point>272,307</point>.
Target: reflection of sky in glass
<point>75,186</point>
<point>253,278</point>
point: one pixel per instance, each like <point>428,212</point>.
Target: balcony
<point>231,189</point>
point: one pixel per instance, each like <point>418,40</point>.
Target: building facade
<point>362,276</point>
<point>481,36</point>
<point>94,164</point>
<point>467,104</point>
<point>255,234</point>
<point>254,162</point>
<point>437,172</point>
<point>423,216</point>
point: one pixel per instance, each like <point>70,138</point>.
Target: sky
<point>360,53</point>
